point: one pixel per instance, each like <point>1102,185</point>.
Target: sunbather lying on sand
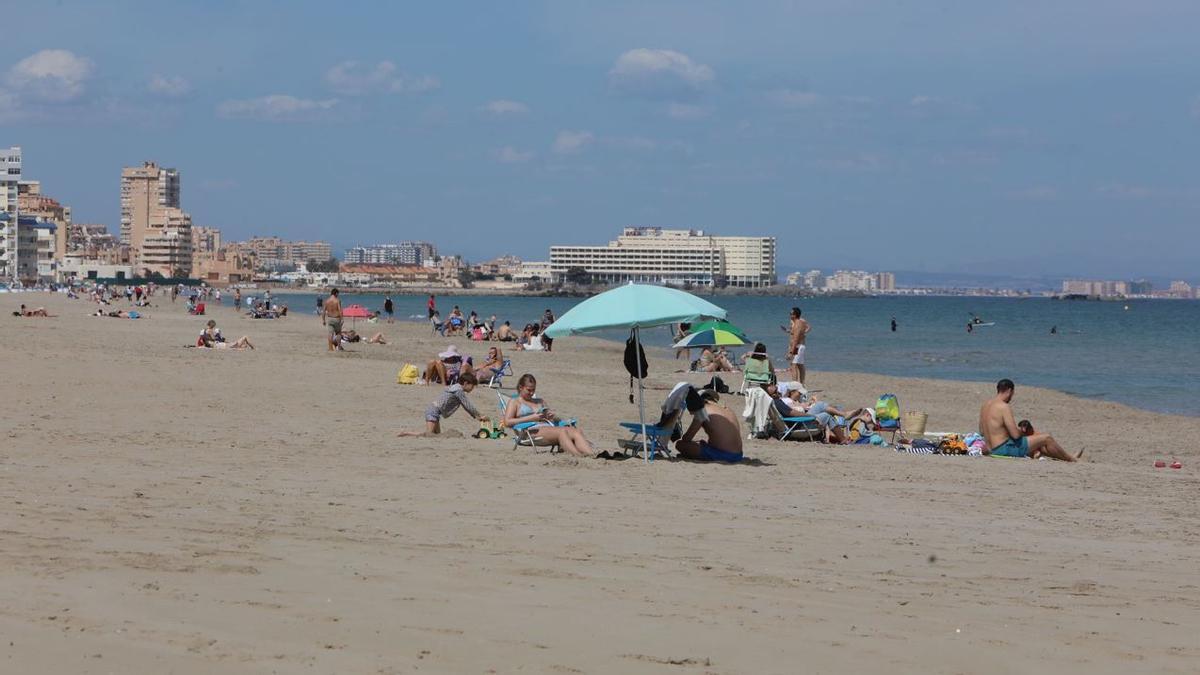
<point>526,407</point>
<point>353,336</point>
<point>39,312</point>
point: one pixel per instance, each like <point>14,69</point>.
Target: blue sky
<point>1036,138</point>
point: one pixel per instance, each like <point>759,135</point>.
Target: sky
<point>1019,138</point>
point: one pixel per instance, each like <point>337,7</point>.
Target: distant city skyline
<point>1045,141</point>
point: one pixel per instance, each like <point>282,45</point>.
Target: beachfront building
<point>1106,288</point>
<point>534,271</point>
<point>672,257</point>
<point>274,254</point>
<point>10,179</point>
<point>852,281</point>
<point>402,253</point>
<point>157,231</point>
<point>504,266</point>
<point>388,275</point>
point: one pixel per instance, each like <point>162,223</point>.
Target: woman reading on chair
<point>526,407</point>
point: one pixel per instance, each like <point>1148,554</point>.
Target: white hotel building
<point>672,257</point>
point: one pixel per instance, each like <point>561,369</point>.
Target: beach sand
<point>190,511</point>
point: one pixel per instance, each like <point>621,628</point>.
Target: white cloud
<point>510,155</point>
<point>1040,193</point>
<point>169,85</point>
<point>659,73</point>
<point>794,99</point>
<point>505,107</point>
<point>863,161</point>
<point>567,142</point>
<point>276,108</point>
<point>1124,191</point>
<point>932,105</point>
<point>686,111</point>
<point>354,79</point>
<point>54,75</point>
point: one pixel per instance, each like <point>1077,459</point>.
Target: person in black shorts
<point>388,308</point>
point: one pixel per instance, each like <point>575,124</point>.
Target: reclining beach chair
<point>756,372</point>
<point>496,381</point>
<point>793,428</point>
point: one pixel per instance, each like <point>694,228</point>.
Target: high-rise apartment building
<point>157,231</point>
<point>273,253</point>
<point>401,253</point>
<point>673,257</point>
<point>10,179</point>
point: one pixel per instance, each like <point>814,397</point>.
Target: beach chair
<point>888,426</point>
<point>523,433</point>
<point>496,381</point>
<point>656,440</point>
<point>756,372</point>
<point>797,428</point>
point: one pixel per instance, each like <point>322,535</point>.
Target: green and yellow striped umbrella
<point>713,334</point>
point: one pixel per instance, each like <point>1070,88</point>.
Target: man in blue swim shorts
<point>999,428</point>
<point>724,431</point>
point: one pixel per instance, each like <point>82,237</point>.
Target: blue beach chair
<point>656,439</point>
<point>496,381</point>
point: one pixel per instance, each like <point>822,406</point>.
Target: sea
<point>1143,353</point>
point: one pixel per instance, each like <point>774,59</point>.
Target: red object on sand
<point>357,312</point>
<point>1177,465</point>
<point>1159,464</point>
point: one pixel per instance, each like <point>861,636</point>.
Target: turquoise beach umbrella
<point>634,306</point>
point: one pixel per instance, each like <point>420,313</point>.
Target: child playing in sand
<point>451,399</point>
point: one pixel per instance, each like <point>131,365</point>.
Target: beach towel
<point>756,412</point>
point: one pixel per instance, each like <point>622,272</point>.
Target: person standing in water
<point>893,324</point>
<point>389,308</point>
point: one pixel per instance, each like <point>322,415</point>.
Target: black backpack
<point>635,356</point>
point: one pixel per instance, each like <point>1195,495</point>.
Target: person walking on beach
<point>431,306</point>
<point>799,335</point>
<point>547,319</point>
<point>331,315</point>
<point>237,300</point>
<point>893,324</point>
<point>1004,438</point>
<point>388,308</point>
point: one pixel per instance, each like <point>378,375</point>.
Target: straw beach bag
<point>913,422</point>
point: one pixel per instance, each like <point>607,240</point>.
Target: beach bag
<point>718,385</point>
<point>635,362</point>
<point>408,374</point>
<point>887,408</point>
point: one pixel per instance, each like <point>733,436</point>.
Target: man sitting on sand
<point>724,442</point>
<point>451,399</point>
<point>1004,438</point>
<point>505,333</point>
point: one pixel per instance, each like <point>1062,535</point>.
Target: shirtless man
<point>331,315</point>
<point>1004,438</point>
<point>799,333</point>
<point>724,442</point>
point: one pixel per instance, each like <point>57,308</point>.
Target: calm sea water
<point>1147,355</point>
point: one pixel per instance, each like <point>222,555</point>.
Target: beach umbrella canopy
<point>357,312</point>
<point>713,334</point>
<point>633,306</point>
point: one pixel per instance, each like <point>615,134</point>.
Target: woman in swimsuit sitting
<point>526,407</point>
<point>492,365</point>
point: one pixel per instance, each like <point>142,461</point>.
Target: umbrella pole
<point>637,341</point>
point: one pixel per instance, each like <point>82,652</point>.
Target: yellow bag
<point>408,374</point>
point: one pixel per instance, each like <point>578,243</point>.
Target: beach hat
<point>451,351</point>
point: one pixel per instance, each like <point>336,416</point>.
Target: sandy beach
<point>190,511</point>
